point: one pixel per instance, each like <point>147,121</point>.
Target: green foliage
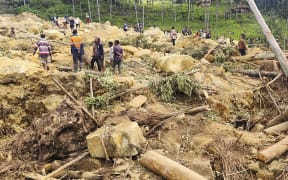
<point>99,101</point>
<point>124,11</point>
<point>168,87</point>
<point>220,57</point>
<point>107,87</point>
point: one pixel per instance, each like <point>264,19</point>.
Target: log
<point>252,57</point>
<point>75,101</point>
<point>167,168</point>
<point>255,73</point>
<point>270,38</point>
<point>278,119</point>
<point>277,129</point>
<point>273,151</point>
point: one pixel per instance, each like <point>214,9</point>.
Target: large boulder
<point>138,101</point>
<point>117,140</point>
<point>54,34</point>
<point>175,63</point>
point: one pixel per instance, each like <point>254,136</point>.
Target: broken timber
<point>270,38</point>
<point>75,101</point>
<point>167,168</point>
<point>274,151</point>
<point>50,175</point>
<point>278,119</point>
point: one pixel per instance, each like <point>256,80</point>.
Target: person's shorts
<point>44,60</point>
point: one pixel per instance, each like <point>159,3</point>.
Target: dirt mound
<point>55,135</point>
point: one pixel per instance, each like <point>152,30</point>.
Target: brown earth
<point>41,129</point>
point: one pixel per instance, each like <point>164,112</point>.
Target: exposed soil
<point>41,129</point>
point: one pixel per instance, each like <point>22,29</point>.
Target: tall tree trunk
<point>89,8</point>
<point>143,16</point>
<point>189,11</point>
<point>136,11</point>
<point>81,11</point>
<point>270,38</point>
<point>73,5</point>
<point>217,14</point>
<point>110,9</point>
<point>162,11</point>
<point>98,11</point>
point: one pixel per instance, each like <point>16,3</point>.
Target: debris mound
<point>55,135</point>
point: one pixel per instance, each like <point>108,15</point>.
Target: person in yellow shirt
<point>77,50</point>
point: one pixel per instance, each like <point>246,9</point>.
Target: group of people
<point>77,51</point>
<point>74,23</point>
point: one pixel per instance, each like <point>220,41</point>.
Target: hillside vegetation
<point>166,14</point>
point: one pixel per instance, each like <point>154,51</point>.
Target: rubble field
<point>199,104</point>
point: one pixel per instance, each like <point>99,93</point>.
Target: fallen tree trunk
<point>255,73</point>
<point>270,38</point>
<point>277,129</point>
<point>273,151</point>
<point>167,168</point>
<point>278,119</point>
<point>252,57</point>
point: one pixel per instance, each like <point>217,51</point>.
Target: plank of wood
<point>277,129</point>
<point>274,151</point>
<point>167,168</point>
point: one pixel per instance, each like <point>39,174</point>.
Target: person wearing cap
<point>44,51</point>
<point>98,55</point>
<point>77,50</point>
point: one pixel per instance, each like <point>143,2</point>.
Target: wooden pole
<point>269,36</point>
<point>76,102</point>
<point>167,168</point>
<point>91,94</point>
<point>274,151</point>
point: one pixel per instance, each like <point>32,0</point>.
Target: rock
<point>276,167</point>
<point>52,102</point>
<point>138,101</point>
<point>210,58</point>
<point>116,141</point>
<point>265,175</point>
<point>53,35</point>
<point>258,128</point>
<point>175,63</point>
<point>254,167</point>
<point>126,81</point>
<point>202,167</point>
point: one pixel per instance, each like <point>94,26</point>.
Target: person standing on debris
<point>118,56</point>
<point>77,22</point>
<point>242,45</point>
<point>65,22</point>
<point>72,23</point>
<point>125,27</point>
<point>44,51</point>
<point>88,20</point>
<point>12,33</point>
<point>77,50</point>
<point>111,53</point>
<point>98,55</point>
<point>173,35</point>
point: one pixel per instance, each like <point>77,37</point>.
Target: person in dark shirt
<point>118,56</point>
<point>242,45</point>
<point>72,23</point>
<point>98,55</point>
